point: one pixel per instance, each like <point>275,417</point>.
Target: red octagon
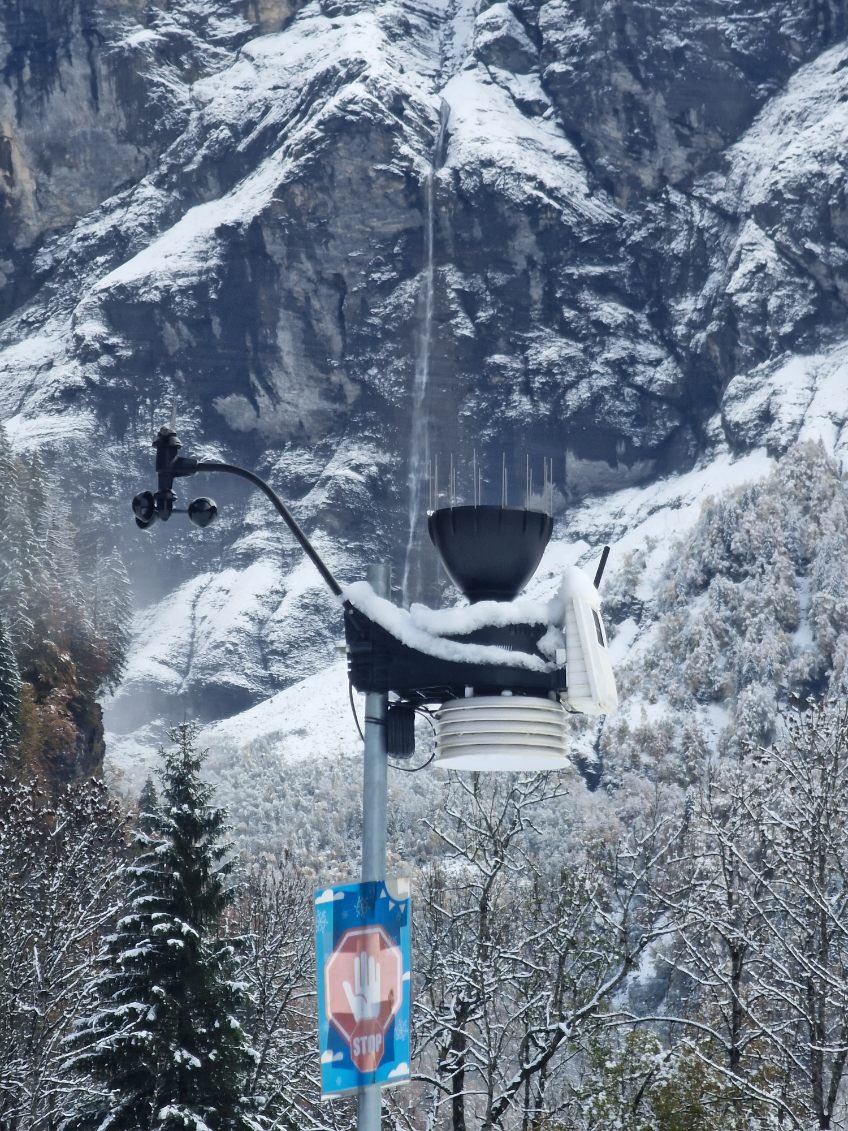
<point>363,990</point>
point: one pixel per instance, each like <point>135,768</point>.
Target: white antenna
<point>174,413</point>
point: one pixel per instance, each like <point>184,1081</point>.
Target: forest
<point>65,621</point>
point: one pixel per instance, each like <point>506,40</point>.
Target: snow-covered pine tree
<point>17,547</point>
<point>112,616</point>
<point>148,807</point>
<point>10,695</point>
<point>163,1043</point>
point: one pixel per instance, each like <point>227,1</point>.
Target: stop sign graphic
<point>363,990</point>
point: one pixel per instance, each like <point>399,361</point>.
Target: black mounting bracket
<point>170,465</point>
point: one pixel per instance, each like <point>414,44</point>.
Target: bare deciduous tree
<point>804,874</point>
<point>277,961</point>
<point>58,869</point>
<point>761,921</point>
<point>519,956</point>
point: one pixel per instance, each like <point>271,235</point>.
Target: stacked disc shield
<point>502,732</point>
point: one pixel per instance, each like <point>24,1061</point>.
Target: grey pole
<point>374,818</point>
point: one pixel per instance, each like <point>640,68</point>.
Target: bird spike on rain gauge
<point>499,674</point>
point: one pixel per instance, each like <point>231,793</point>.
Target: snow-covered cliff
<point>352,235</point>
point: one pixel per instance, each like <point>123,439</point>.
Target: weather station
<point>501,673</point>
<point>497,676</point>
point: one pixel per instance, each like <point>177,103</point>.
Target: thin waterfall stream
<point>419,453</point>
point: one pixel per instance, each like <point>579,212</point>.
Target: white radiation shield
<point>502,732</point>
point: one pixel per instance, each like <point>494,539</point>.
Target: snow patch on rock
<point>800,398</point>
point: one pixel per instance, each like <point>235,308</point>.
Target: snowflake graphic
<point>364,907</point>
<point>401,1029</point>
<point>321,922</point>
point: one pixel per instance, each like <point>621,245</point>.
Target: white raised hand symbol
<point>364,997</point>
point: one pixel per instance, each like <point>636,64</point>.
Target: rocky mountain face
<point>353,238</point>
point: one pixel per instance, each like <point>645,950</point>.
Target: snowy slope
<point>309,720</point>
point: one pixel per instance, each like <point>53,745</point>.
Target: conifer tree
<point>10,694</point>
<point>113,616</point>
<point>62,595</point>
<point>164,1043</point>
<point>148,807</point>
<point>17,549</point>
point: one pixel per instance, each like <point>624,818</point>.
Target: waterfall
<point>419,453</point>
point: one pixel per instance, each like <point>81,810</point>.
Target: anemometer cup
<point>144,509</point>
<point>202,511</point>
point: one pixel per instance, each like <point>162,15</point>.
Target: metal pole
<point>374,783</point>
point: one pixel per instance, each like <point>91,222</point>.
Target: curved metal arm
<point>285,513</point>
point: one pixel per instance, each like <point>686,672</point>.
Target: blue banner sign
<point>362,944</point>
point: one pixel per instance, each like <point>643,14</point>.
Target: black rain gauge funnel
<point>489,552</point>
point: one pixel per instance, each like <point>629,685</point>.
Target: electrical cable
<point>424,711</point>
<point>414,769</point>
<point>353,709</point>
